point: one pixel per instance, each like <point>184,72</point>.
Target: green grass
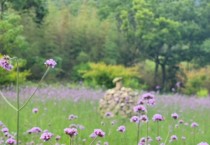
<point>53,116</point>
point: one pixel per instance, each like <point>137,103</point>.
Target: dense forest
<point>165,39</point>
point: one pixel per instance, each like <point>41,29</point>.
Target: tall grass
<point>55,104</point>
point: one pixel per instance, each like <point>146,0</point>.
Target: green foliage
<point>101,74</point>
<point>11,77</point>
<point>202,93</point>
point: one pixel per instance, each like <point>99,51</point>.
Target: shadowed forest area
<point>153,44</point>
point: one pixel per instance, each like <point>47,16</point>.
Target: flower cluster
<point>71,131</point>
<point>34,130</point>
<point>46,136</point>
<point>50,63</point>
<point>5,63</point>
<point>97,132</point>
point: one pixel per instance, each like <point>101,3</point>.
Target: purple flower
<point>50,63</point>
<point>108,114</point>
<point>58,137</point>
<point>144,118</point>
<point>93,135</point>
<point>175,116</point>
<point>72,117</point>
<point>5,129</point>
<point>5,64</point>
<point>35,110</point>
<point>181,121</point>
<point>203,143</point>
<point>121,128</point>
<point>173,138</point>
<point>135,119</point>
<point>71,131</point>
<point>11,141</point>
<point>148,96</point>
<point>106,143</point>
<point>46,136</point>
<point>158,138</point>
<point>139,108</point>
<point>99,132</point>
<point>157,117</point>
<point>194,125</point>
<point>34,130</point>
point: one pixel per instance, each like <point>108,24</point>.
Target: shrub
<point>202,93</point>
<point>101,74</point>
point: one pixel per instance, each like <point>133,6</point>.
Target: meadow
<point>55,108</point>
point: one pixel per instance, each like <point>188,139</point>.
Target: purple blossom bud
<point>5,129</point>
<point>71,131</point>
<point>46,136</point>
<point>157,117</point>
<point>194,125</point>
<point>135,119</point>
<point>35,110</point>
<point>144,118</point>
<point>50,63</point>
<point>173,138</point>
<point>34,130</point>
<point>203,143</point>
<point>99,132</point>
<point>11,141</point>
<point>139,108</point>
<point>121,128</point>
<point>175,116</point>
<point>5,64</point>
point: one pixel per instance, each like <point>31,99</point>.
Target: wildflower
<point>173,138</point>
<point>5,129</point>
<point>34,130</point>
<point>183,138</point>
<point>203,143</point>
<point>11,141</point>
<point>106,143</point>
<point>72,117</point>
<point>71,131</point>
<point>46,136</point>
<point>175,116</point>
<point>108,114</point>
<point>50,63</point>
<point>135,119</point>
<point>58,137</point>
<point>121,128</point>
<point>99,132</point>
<point>181,121</point>
<point>35,110</point>
<point>143,118</point>
<point>158,138</point>
<point>148,96</point>
<point>194,125</point>
<point>139,108</point>
<point>93,135</point>
<point>140,102</point>
<point>157,117</point>
<point>5,64</point>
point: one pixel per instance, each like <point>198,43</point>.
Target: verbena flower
<point>35,110</point>
<point>11,141</point>
<point>174,115</point>
<point>173,138</point>
<point>71,131</point>
<point>93,135</point>
<point>135,119</point>
<point>50,63</point>
<point>194,124</point>
<point>46,136</point>
<point>144,118</point>
<point>148,96</point>
<point>158,138</point>
<point>5,63</point>
<point>108,114</point>
<point>106,143</point>
<point>72,117</point>
<point>203,143</point>
<point>121,128</point>
<point>34,130</point>
<point>99,132</point>
<point>58,137</point>
<point>157,117</point>
<point>139,108</point>
<point>5,129</point>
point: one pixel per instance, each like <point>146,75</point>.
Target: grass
<point>55,104</point>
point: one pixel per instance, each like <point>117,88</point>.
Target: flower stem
<point>35,89</point>
<point>70,141</point>
<point>18,102</point>
<point>8,102</point>
<point>93,141</point>
<point>138,134</point>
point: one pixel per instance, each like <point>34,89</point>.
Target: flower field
<point>56,109</point>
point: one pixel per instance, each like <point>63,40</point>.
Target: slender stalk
<point>147,132</point>
<point>193,135</point>
<point>158,129</point>
<point>93,141</point>
<point>138,134</point>
<point>8,102</point>
<point>35,89</point>
<point>18,102</point>
<point>70,141</point>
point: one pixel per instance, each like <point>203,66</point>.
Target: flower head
<point>72,117</point>
<point>148,96</point>
<point>46,136</point>
<point>143,118</point>
<point>99,132</point>
<point>175,116</point>
<point>135,119</point>
<point>35,110</point>
<point>157,117</point>
<point>34,130</point>
<point>71,131</point>
<point>139,108</point>
<point>50,63</point>
<point>194,125</point>
<point>11,141</point>
<point>173,138</point>
<point>5,129</point>
<point>121,128</point>
<point>5,63</point>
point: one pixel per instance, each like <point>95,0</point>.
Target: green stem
<point>158,129</point>
<point>147,132</point>
<point>35,89</point>
<point>8,102</point>
<point>70,141</point>
<point>138,134</point>
<point>93,141</point>
<point>18,102</point>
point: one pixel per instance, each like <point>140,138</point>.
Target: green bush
<point>10,77</point>
<point>101,74</point>
<point>202,93</point>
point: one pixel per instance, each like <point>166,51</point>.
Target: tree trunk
<point>163,68</point>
